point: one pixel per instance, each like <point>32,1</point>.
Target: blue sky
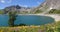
<point>25,3</point>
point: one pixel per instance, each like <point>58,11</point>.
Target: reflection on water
<point>27,19</point>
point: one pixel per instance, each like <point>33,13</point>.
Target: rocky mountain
<point>17,8</point>
<point>45,7</point>
<point>49,4</point>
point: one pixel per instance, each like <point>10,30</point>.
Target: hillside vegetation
<point>54,11</point>
<point>1,12</point>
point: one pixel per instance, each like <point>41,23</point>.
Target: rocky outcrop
<point>49,4</point>
<point>17,8</point>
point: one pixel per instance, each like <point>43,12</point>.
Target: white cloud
<point>4,1</point>
<point>23,5</point>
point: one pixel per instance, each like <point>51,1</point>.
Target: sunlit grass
<point>53,27</point>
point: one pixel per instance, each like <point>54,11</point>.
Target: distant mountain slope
<point>17,8</point>
<point>49,4</point>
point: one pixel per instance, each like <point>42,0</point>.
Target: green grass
<point>53,27</point>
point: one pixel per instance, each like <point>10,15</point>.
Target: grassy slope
<point>54,11</point>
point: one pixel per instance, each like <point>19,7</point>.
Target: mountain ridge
<point>49,4</point>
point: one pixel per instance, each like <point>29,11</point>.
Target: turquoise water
<point>26,19</point>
